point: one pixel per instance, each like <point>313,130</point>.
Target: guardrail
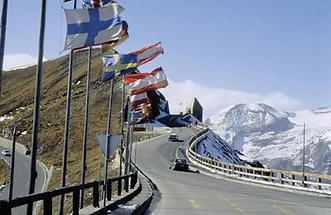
<point>130,181</point>
<point>282,177</point>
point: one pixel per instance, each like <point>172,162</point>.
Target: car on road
<point>180,164</point>
<point>172,137</point>
<point>6,153</point>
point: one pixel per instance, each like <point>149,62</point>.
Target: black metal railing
<point>130,181</point>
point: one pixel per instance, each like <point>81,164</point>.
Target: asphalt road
<point>193,193</point>
<point>21,178</point>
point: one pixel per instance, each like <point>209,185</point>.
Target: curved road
<point>21,176</point>
<point>193,193</point>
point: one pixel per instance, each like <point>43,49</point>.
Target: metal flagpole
<point>127,146</point>
<point>108,141</point>
<point>131,145</point>
<point>67,126</point>
<point>36,110</point>
<point>122,126</point>
<point>303,154</point>
<point>87,102</point>
<point>12,166</point>
<point>3,37</point>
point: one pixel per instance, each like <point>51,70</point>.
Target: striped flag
<point>138,99</point>
<point>96,3</point>
<point>148,53</point>
<point>118,64</point>
<point>142,82</point>
<point>95,26</point>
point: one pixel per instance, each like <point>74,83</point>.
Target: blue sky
<point>222,51</point>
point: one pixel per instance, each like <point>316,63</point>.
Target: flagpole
<point>122,126</point>
<point>108,141</point>
<point>87,102</point>
<point>67,126</point>
<point>36,110</point>
<point>127,146</point>
<point>3,38</point>
<point>131,145</point>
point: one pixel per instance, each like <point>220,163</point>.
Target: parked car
<point>172,137</point>
<point>6,152</point>
<point>180,164</point>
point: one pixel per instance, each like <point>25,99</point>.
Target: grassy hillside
<point>17,101</point>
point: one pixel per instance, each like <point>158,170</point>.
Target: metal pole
<point>122,127</point>
<point>127,146</point>
<point>131,145</point>
<point>66,130</point>
<point>12,165</point>
<point>108,140</point>
<point>3,37</point>
<point>303,154</point>
<point>135,148</point>
<point>36,111</point>
<point>67,127</point>
<point>87,102</point>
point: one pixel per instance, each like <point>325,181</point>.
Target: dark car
<point>6,153</point>
<point>180,164</point>
<point>172,137</point>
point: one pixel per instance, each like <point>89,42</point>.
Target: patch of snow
<point>5,117</point>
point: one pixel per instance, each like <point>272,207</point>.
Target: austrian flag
<point>142,82</point>
<point>139,99</point>
<point>148,53</point>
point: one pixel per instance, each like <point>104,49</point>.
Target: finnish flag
<point>93,26</point>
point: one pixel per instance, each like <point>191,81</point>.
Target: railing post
<point>271,174</point>
<point>119,187</point>
<point>126,181</point>
<point>304,178</point>
<point>109,189</point>
<point>5,207</point>
<point>293,178</point>
<point>133,180</point>
<point>319,180</point>
<point>75,202</point>
<point>48,206</point>
<point>96,194</point>
<point>281,178</point>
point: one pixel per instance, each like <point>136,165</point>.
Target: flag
<point>148,53</point>
<point>118,64</point>
<point>138,99</point>
<point>96,3</point>
<point>95,26</point>
<point>136,117</point>
<point>142,82</point>
<point>124,35</point>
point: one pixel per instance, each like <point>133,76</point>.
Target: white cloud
<point>12,61</point>
<point>214,99</point>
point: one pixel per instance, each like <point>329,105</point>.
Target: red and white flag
<point>138,99</point>
<point>142,82</point>
<point>148,53</point>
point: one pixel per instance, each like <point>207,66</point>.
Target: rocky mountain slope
<point>275,139</point>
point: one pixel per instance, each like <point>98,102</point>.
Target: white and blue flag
<point>93,26</point>
<point>96,3</point>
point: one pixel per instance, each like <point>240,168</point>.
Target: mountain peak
<point>252,117</point>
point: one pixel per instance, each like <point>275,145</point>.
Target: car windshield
<point>181,161</point>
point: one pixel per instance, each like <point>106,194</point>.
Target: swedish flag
<point>118,64</point>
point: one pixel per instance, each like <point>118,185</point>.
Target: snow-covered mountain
<point>275,139</point>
